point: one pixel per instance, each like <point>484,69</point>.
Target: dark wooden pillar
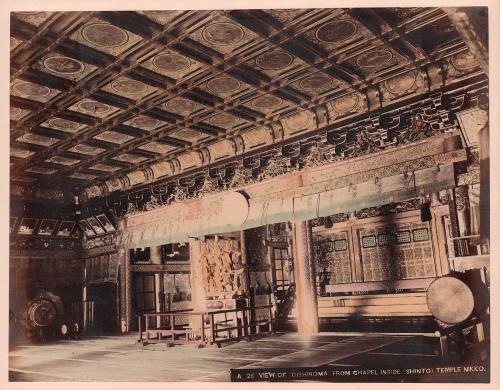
<point>124,287</point>
<point>305,279</point>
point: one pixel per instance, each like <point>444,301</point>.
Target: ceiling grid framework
<point>98,96</point>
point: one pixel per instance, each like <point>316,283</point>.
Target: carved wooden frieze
<point>160,268</point>
<point>221,149</point>
<point>257,137</point>
<point>115,184</point>
<point>405,84</point>
<point>460,65</point>
<point>136,177</point>
<point>190,160</point>
<point>346,105</point>
<point>162,169</point>
<point>297,123</point>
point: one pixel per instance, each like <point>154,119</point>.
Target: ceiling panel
<point>109,93</point>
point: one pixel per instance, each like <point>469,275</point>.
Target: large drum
<point>41,313</point>
<point>450,300</point>
<point>44,310</point>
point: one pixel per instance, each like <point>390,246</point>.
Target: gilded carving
<point>222,269</point>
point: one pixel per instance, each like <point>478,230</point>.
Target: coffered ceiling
<point>96,95</point>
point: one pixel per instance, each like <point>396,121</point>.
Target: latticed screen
<point>401,251</point>
<point>332,256</point>
<point>420,235</point>
<point>403,237</point>
<point>340,245</point>
<point>368,241</point>
<point>281,268</point>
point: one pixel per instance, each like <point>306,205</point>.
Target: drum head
<point>41,313</point>
<point>450,300</point>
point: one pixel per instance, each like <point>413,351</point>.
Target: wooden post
<point>305,280</point>
<point>212,327</point>
<point>197,284</point>
<point>140,329</point>
<point>156,259</point>
<point>484,172</point>
<point>125,282</point>
<point>443,342</point>
<point>84,301</point>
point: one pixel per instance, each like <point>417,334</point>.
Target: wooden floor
<point>119,358</point>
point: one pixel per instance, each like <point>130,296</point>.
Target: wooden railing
<point>204,328</point>
<point>170,332</point>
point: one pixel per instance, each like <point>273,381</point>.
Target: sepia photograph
<point>250,194</point>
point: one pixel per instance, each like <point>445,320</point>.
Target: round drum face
<point>450,300</point>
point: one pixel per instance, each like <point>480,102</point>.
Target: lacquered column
<point>305,279</point>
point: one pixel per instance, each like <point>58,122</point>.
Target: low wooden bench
<point>375,305</point>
